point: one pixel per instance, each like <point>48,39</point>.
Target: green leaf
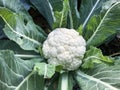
<point>61,17</point>
<point>101,77</point>
<point>80,29</point>
<point>59,68</point>
<point>117,58</point>
<point>14,5</point>
<point>103,27</point>
<point>57,4</point>
<point>17,74</point>
<point>45,8</point>
<point>44,69</point>
<point>21,29</point>
<point>106,5</point>
<point>66,12</point>
<point>94,55</point>
<point>10,45</point>
<point>89,8</point>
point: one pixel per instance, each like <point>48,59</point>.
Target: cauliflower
<point>64,47</point>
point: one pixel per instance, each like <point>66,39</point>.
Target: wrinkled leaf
<point>16,74</point>
<point>44,69</point>
<point>103,27</point>
<point>101,77</point>
<point>94,55</point>
<point>61,17</point>
<point>21,29</point>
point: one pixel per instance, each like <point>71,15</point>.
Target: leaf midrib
<point>24,80</point>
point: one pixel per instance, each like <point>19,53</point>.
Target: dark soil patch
<point>112,48</point>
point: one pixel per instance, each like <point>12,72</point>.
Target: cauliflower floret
<point>64,47</point>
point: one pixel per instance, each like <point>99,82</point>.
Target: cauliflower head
<point>64,47</point>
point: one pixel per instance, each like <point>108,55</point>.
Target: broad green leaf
<point>89,8</point>
<point>17,74</point>
<point>101,77</point>
<point>46,70</point>
<point>107,5</point>
<point>10,45</point>
<point>45,8</point>
<point>14,5</point>
<point>65,81</point>
<point>21,29</point>
<point>103,27</point>
<point>61,16</point>
<point>94,55</point>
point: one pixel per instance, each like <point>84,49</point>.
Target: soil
<point>39,19</point>
<point>112,48</point>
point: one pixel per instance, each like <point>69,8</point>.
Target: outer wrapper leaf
<point>104,27</point>
<point>16,74</point>
<point>11,45</point>
<point>89,8</point>
<point>21,29</point>
<point>101,77</point>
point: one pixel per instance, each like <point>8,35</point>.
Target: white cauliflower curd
<point>64,47</point>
